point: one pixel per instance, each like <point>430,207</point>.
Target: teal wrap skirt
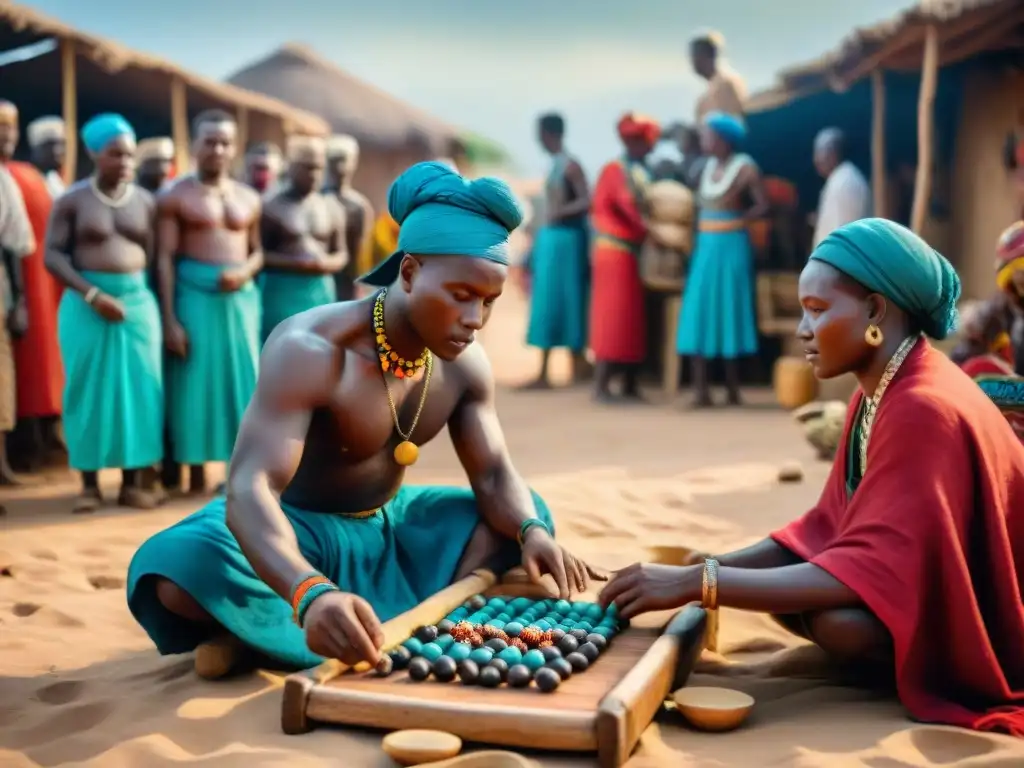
<point>288,293</point>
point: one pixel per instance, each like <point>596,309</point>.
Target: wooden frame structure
<point>638,672</point>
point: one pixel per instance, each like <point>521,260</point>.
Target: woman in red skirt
<point>618,333</point>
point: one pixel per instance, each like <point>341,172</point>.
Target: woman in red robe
<point>618,332</point>
<point>40,375</point>
<point>912,561</point>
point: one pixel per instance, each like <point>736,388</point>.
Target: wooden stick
<point>69,108</point>
<point>711,641</point>
<point>878,167</point>
<point>179,126</point>
<point>925,128</point>
<point>242,137</point>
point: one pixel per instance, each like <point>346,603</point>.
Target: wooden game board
<point>602,710</point>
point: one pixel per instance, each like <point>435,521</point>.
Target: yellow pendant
<point>406,453</point>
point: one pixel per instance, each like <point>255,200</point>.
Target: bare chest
<point>310,218</point>
<point>207,210</point>
<point>97,222</point>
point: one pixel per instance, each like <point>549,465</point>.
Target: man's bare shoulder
<point>474,370</point>
<point>147,197</point>
<point>171,195</point>
<point>246,194</point>
<point>73,195</point>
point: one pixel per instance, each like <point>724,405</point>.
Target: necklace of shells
<point>867,420</point>
<point>711,189</point>
<point>114,202</point>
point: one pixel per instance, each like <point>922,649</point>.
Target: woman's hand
<point>644,587</point>
<point>542,554</point>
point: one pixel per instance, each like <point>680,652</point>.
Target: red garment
<point>40,374</point>
<point>618,323</point>
<point>933,543</point>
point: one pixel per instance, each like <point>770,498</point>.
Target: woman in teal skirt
<point>98,243</point>
<point>718,317</point>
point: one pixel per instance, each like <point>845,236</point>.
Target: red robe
<point>933,542</point>
<point>40,374</point>
<point>618,324</point>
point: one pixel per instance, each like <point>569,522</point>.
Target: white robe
<point>845,197</point>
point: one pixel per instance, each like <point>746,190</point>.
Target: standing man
<point>561,257</point>
<point>16,242</point>
<point>726,91</point>
<point>303,235</point>
<point>262,166</point>
<point>846,195</point>
<point>342,161</point>
<point>48,144</point>
<point>155,163</point>
<point>208,252</point>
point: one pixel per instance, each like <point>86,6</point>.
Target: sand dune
<point>82,686</point>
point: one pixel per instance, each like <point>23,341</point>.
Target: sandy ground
<point>82,686</point>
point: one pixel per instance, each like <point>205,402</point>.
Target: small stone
<point>563,606</point>
<point>568,644</point>
<point>501,666</point>
<point>578,661</point>
<point>496,644</point>
<point>469,672</point>
<point>490,677</point>
<point>580,634</point>
<point>511,655</point>
<point>590,651</point>
<point>445,627</point>
<point>519,676</point>
<point>599,640</point>
<point>584,626</point>
<point>444,669</point>
<point>556,635</point>
<point>482,655</point>
<point>385,666</point>
<point>400,657</point>
<point>476,602</point>
<point>561,666</point>
<point>547,679</point>
<point>426,634</point>
<point>534,659</point>
<point>513,628</point>
<point>419,669</point>
<point>791,472</point>
<point>459,651</point>
<point>550,652</point>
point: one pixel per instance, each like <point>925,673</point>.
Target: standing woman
<point>718,319</point>
<point>98,244</point>
<point>618,330</point>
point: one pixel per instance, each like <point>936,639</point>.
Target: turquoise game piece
<point>497,623</point>
<point>482,655</point>
<point>543,625</point>
<point>504,616</point>
<point>431,651</point>
<point>603,631</point>
<point>563,606</point>
<point>534,660</point>
<point>445,642</point>
<point>511,655</point>
<point>460,651</point>
<point>586,626</point>
<point>414,646</point>
<point>513,628</point>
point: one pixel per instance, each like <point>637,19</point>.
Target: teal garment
<point>209,390</point>
<point>113,391</point>
<point>288,293</point>
<point>395,559</point>
<point>717,318</point>
<point>729,127</point>
<point>440,213</point>
<point>559,290</point>
<point>889,259</point>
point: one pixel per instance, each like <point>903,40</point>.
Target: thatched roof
<point>21,26</point>
<point>966,28</point>
<point>298,75</point>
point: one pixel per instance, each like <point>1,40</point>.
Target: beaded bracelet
<point>527,525</point>
<point>320,588</point>
<point>299,592</point>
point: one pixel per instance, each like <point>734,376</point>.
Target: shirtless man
<point>156,163</point>
<point>98,244</point>
<point>303,232</point>
<point>262,166</point>
<point>316,507</point>
<point>342,161</point>
<point>208,252</point>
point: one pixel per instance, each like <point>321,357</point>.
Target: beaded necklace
<point>389,359</point>
<point>871,404</point>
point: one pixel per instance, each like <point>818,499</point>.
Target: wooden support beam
<point>179,126</point>
<point>925,129</point>
<point>878,166</point>
<point>241,137</point>
<point>69,108</point>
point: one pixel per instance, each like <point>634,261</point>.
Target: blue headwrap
<point>889,259</point>
<point>729,127</point>
<point>441,213</point>
<point>103,129</point>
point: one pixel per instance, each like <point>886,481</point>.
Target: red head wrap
<point>636,126</point>
<point>1009,254</point>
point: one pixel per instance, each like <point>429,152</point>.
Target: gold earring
<point>873,335</point>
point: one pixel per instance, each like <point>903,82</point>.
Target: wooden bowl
<point>713,709</point>
<point>415,747</point>
<point>669,555</point>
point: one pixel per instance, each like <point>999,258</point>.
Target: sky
<point>493,67</point>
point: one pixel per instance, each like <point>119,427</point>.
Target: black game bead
<point>501,666</point>
<point>551,653</point>
<point>590,651</point>
<point>469,672</point>
<point>547,679</point>
<point>562,667</point>
<point>445,626</point>
<point>444,669</point>
<point>426,634</point>
<point>599,640</point>
<point>496,644</point>
<point>579,634</point>
<point>519,676</point>
<point>400,657</point>
<point>419,669</point>
<point>385,666</point>
<point>556,635</point>
<point>476,602</point>
<point>490,677</point>
<point>579,661</point>
<point>568,644</point>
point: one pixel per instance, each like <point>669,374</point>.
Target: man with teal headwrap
<point>318,540</point>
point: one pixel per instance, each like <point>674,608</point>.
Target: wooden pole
<point>242,138</point>
<point>69,109</point>
<point>878,167</point>
<point>925,128</point>
<point>179,126</point>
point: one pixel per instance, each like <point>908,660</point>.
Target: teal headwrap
<point>729,127</point>
<point>889,259</point>
<point>441,213</point>
<point>103,129</point>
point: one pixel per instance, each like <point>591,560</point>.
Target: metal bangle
<point>91,294</point>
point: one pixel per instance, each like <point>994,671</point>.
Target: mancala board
<point>602,710</point>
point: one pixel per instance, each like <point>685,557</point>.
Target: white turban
<point>45,129</point>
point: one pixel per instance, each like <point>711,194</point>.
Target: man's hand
<point>343,626</point>
<point>233,279</point>
<point>175,338</point>
<point>17,319</point>
<point>542,554</point>
<point>109,308</point>
<point>644,587</point>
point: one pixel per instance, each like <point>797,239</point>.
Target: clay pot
<point>677,237</point>
<point>669,201</point>
<point>794,382</point>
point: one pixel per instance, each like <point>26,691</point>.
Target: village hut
<point>392,135</point>
<point>51,68</point>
